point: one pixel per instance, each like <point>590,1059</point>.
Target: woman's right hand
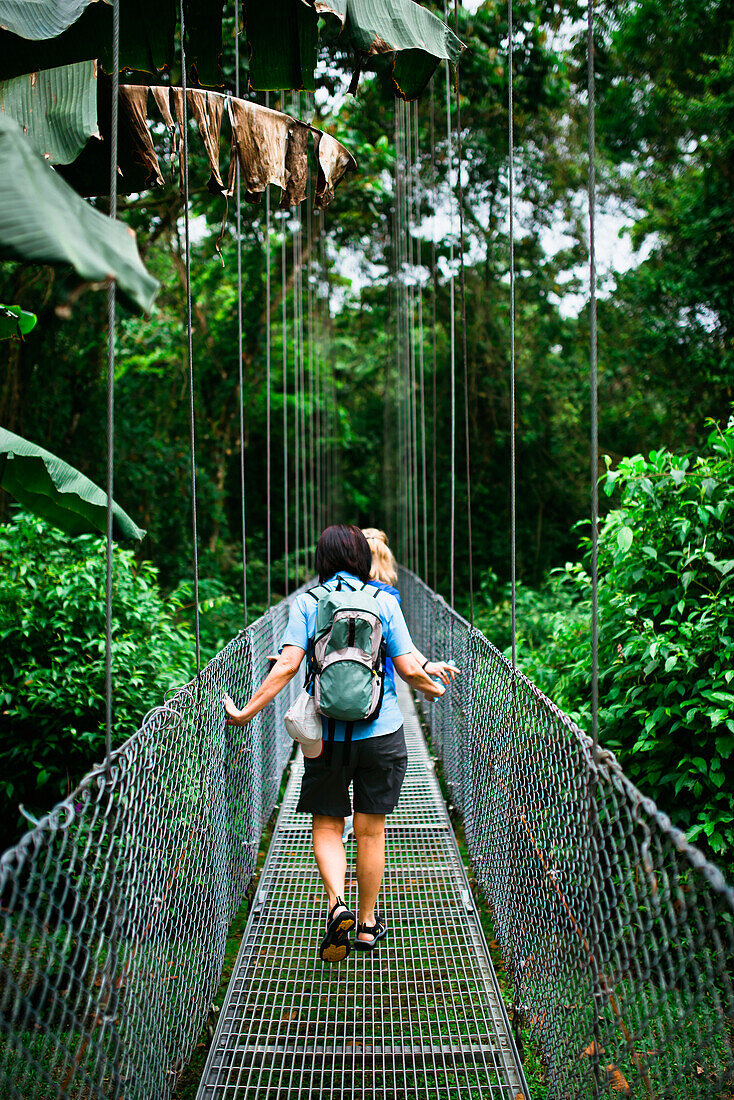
<point>445,670</point>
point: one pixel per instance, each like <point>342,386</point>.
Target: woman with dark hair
<point>377,760</point>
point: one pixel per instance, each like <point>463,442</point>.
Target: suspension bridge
<point>616,933</point>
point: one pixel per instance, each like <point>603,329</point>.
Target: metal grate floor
<point>419,1017</point>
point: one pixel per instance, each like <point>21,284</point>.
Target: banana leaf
<point>57,109</point>
<point>278,59</point>
<point>413,38</point>
<point>271,147</point>
<point>43,219</point>
<point>148,40</point>
<point>44,19</point>
<point>54,490</point>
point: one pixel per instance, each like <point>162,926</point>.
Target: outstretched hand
<point>445,671</point>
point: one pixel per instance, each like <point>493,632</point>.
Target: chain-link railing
<point>618,934</point>
<point>115,908</point>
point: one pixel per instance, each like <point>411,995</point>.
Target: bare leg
<point>331,858</point>
<point>369,830</point>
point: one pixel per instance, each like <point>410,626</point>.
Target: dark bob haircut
<point>343,547</point>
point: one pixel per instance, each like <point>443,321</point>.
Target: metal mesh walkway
<point>420,1016</point>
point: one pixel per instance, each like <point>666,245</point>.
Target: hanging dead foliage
<point>269,146</point>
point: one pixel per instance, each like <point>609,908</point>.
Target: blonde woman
<point>384,575</point>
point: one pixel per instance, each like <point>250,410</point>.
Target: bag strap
<point>348,731</point>
<point>331,729</point>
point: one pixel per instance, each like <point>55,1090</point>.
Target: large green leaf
<point>42,218</point>
<point>57,108</point>
<point>148,40</point>
<point>282,36</point>
<point>15,321</point>
<point>53,489</point>
<point>36,19</point>
<point>417,39</point>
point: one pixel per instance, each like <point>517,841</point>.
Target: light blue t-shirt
<point>395,635</point>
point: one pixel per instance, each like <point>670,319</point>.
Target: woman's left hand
<point>445,671</point>
<point>234,717</point>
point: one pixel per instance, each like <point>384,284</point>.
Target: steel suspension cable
<point>296,401</point>
<point>190,336</point>
<point>310,322</point>
<point>511,197</point>
<point>410,222</point>
<point>240,373</point>
<point>434,278</point>
<point>111,326</point>
<point>302,359</point>
<point>424,483</point>
<point>268,368</point>
<point>401,513</point>
<point>594,385</point>
<point>317,410</point>
<point>284,330</point>
<point>462,284</point>
<point>594,459</point>
<point>405,333</point>
<point>515,964</point>
<point>449,160</point>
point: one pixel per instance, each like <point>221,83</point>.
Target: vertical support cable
<point>594,457</point>
<point>190,335</point>
<point>302,359</point>
<point>513,869</point>
<point>240,373</point>
<point>296,404</point>
<point>310,319</point>
<point>449,159</point>
<point>268,367</point>
<point>594,388</point>
<point>285,398</point>
<point>111,321</point>
<point>424,482</point>
<point>410,225</point>
<point>462,285</point>
<point>511,196</point>
<point>434,279</point>
<point>317,387</point>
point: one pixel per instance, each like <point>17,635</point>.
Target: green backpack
<point>347,660</point>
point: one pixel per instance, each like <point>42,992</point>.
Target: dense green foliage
<point>666,658</point>
<point>52,658</point>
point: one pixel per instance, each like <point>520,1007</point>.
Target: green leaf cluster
<point>666,657</point>
<point>52,658</point>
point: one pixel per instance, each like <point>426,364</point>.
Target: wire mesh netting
<point>618,934</point>
<point>116,906</point>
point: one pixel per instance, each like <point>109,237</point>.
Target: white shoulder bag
<point>303,723</point>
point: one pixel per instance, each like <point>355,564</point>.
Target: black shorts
<point>377,767</point>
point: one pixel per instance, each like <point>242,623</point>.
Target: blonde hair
<point>384,567</point>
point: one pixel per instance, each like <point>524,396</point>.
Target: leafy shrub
<point>666,656</point>
<point>52,658</point>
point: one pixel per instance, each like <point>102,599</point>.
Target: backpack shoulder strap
<point>313,591</point>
